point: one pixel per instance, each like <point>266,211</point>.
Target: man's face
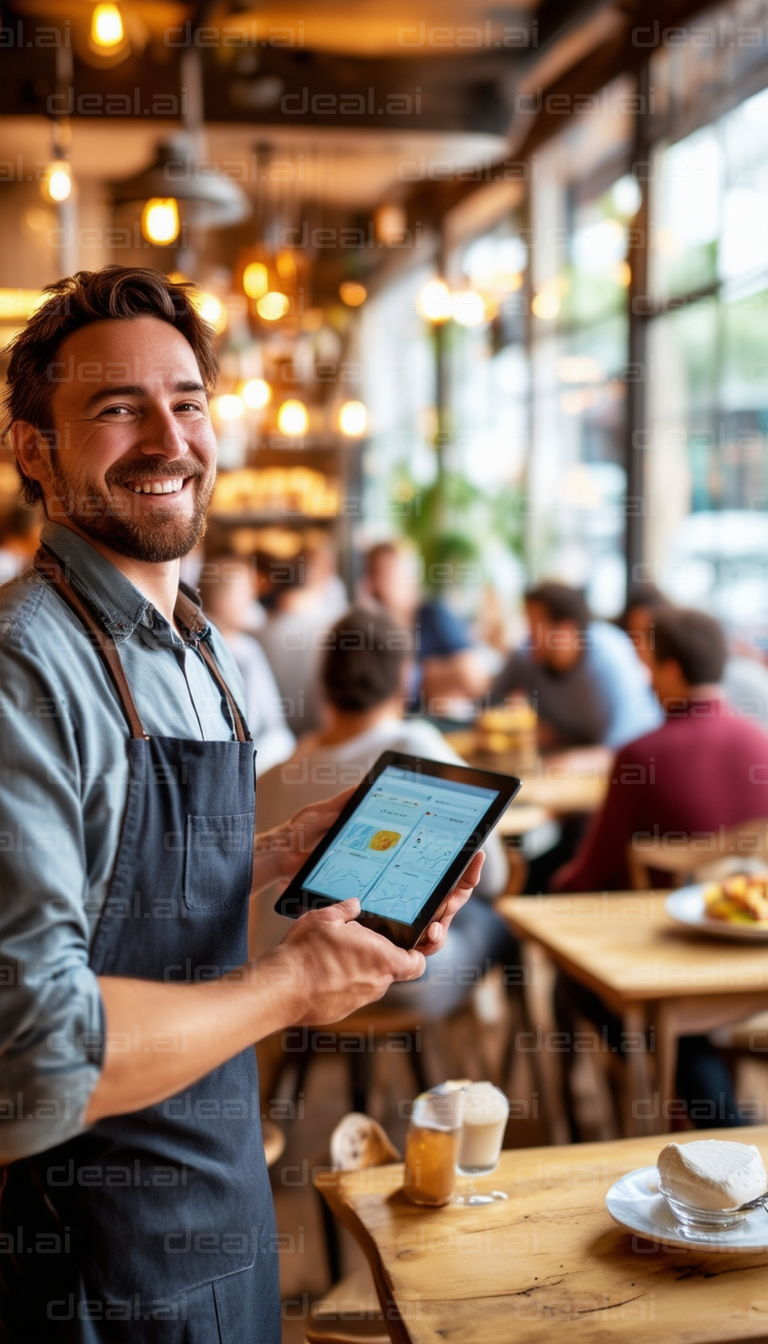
<point>557,645</point>
<point>135,464</point>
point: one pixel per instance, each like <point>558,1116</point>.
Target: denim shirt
<point>63,790</point>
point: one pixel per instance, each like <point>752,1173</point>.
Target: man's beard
<point>94,511</point>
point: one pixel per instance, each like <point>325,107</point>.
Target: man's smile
<point>169,485</point>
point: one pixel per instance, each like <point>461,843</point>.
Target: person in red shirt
<point>704,768</point>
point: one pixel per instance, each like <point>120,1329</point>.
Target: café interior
<point>489,288</point>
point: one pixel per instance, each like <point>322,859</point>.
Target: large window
<point>707,476</point>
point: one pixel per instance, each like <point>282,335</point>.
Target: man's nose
<point>164,434</point>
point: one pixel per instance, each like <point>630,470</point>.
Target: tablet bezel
<point>296,901</point>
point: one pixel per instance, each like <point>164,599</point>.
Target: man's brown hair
<point>694,640</point>
<point>114,292</point>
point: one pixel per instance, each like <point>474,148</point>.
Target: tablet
<point>401,843</point>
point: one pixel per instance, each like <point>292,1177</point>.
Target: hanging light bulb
<point>228,407</point>
<point>273,306</point>
<point>435,302</point>
<point>255,279</point>
<point>57,182</point>
<point>468,308</point>
<point>256,393</point>
<point>292,419</point>
<point>160,221</point>
<point>353,419</point>
<point>107,29</point>
<point>210,308</point>
<point>352,293</point>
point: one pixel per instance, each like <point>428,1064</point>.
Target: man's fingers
<point>471,875</point>
<point>413,965</point>
<point>341,912</point>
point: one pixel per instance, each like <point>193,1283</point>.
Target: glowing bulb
<point>353,419</point>
<point>273,306</point>
<point>435,302</point>
<point>58,183</point>
<point>353,294</point>
<point>285,266</point>
<point>546,304</point>
<point>468,308</point>
<point>292,419</point>
<point>160,221</point>
<point>255,279</point>
<point>107,29</point>
<point>228,407</point>
<point>211,309</point>
<point>256,393</point>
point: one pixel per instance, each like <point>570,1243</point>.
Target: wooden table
<point>660,980</point>
<point>567,782</point>
<point>547,1263</point>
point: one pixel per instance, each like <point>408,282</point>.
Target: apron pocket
<point>218,862</point>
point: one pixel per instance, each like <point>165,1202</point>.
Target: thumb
<point>412,966</point>
<point>341,912</point>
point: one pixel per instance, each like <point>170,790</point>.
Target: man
<point>582,675</point>
<point>447,667</point>
<point>702,769</point>
<point>697,772</point>
<point>136,1205</point>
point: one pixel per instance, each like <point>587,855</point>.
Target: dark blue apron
<point>158,1226</point>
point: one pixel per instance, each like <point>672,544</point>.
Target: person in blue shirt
<point>582,676</point>
<point>446,665</point>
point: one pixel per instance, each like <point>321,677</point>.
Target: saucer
<point>636,1203</point>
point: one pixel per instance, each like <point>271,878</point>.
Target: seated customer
<point>292,638</point>
<point>447,667</point>
<point>745,679</point>
<point>693,774</point>
<point>226,592</point>
<point>581,675</point>
<point>363,675</point>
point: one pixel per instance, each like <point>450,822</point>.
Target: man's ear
<point>32,449</point>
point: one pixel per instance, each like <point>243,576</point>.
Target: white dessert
<point>486,1111</point>
<point>712,1173</point>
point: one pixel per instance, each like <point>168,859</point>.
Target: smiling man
<point>135,1203</point>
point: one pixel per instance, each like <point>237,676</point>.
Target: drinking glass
<point>485,1116</point>
<point>432,1147</point>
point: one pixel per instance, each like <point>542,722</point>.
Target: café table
<point>562,783</point>
<point>662,981</point>
<point>548,1260</point>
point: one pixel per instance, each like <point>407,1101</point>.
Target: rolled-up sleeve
<point>51,1012</point>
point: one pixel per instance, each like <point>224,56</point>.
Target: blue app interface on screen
<point>396,846</point>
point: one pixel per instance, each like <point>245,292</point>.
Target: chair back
<point>704,856</point>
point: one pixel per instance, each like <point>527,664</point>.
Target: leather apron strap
<point>47,565</point>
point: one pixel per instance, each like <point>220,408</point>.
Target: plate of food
<point>704,1195</point>
<point>736,908</point>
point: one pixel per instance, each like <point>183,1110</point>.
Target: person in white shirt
<point>226,591</point>
<point>363,677</point>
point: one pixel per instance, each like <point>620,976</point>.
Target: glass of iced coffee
<point>432,1147</point>
<point>485,1115</point>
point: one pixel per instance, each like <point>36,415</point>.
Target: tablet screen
<point>396,846</point>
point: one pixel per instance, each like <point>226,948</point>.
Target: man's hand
<point>278,854</point>
<point>329,965</point>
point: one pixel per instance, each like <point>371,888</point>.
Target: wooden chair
<point>708,856</point>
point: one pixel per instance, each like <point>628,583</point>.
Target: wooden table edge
<point>326,1182</point>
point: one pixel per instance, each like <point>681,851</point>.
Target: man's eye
<point>116,411</point>
<point>189,406</point>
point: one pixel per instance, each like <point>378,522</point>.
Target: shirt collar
<point>120,606</point>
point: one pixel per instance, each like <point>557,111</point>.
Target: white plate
<point>687,907</point>
<point>634,1202</point>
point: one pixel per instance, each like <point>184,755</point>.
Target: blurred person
<point>446,664</point>
<point>226,591</point>
<point>292,639</point>
<point>19,535</point>
<point>323,578</point>
<point>694,774</point>
<point>581,675</point>
<point>745,679</point>
<point>126,905</point>
<point>363,679</point>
